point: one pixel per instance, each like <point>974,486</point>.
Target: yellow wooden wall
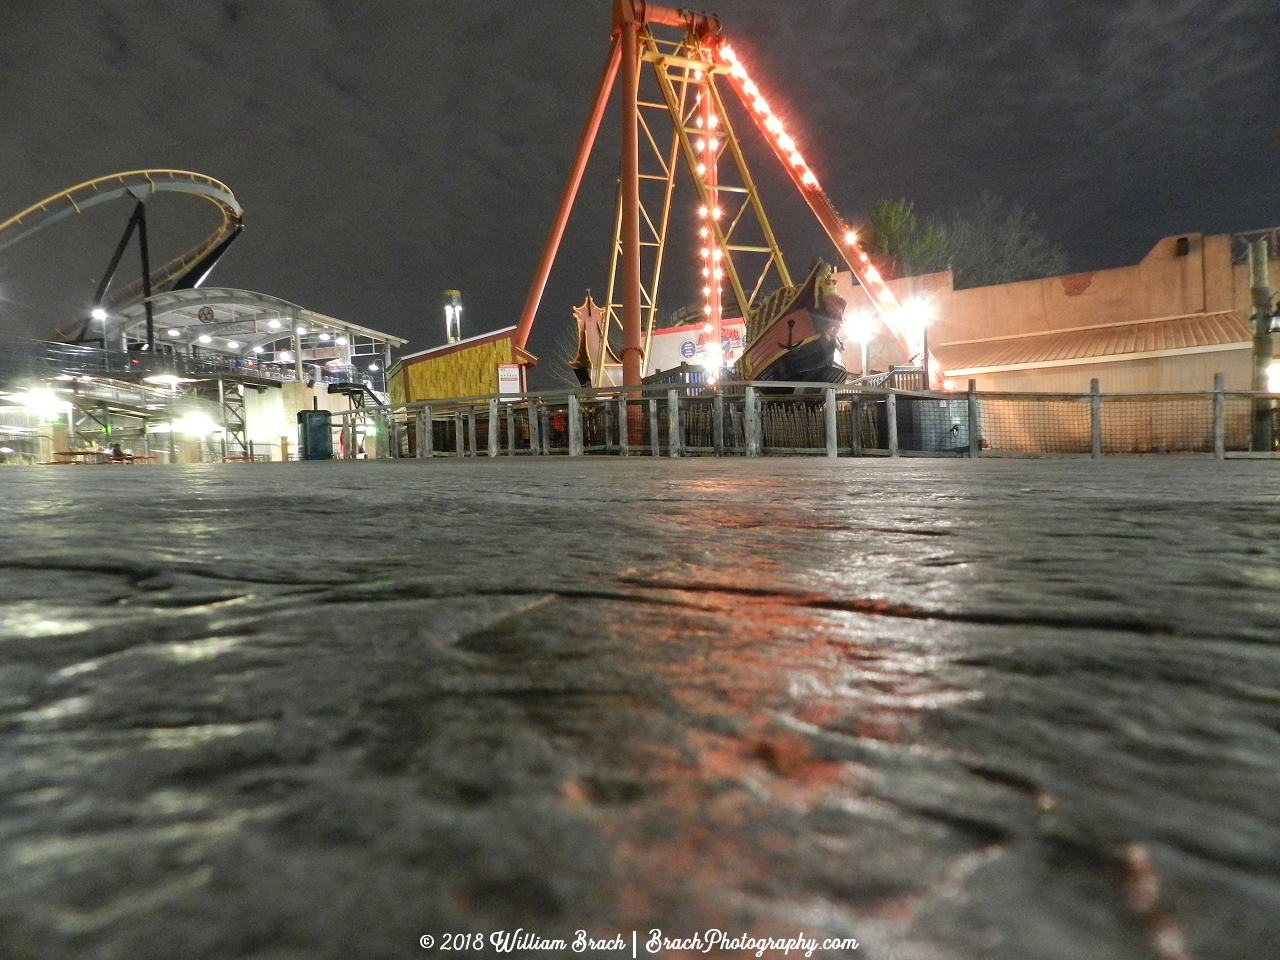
<point>469,372</point>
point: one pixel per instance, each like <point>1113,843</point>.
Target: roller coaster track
<point>138,184</point>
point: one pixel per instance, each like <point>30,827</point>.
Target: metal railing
<point>815,419</point>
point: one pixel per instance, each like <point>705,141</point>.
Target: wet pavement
<point>950,709</point>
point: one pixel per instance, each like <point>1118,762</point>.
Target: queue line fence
<point>808,419</point>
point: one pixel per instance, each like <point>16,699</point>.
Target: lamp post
<point>453,316</point>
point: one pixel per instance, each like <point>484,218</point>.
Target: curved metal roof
<point>229,316</point>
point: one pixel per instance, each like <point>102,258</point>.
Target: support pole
<point>535,443</point>
<point>471,430</point>
<point>540,278</point>
<point>575,426</point>
<point>751,417</point>
<point>493,428</point>
<point>655,445</point>
<point>624,440</point>
<point>146,276</point>
<point>675,438</point>
<point>459,435</point>
<point>632,348</point>
<point>1219,417</point>
<point>1263,344</point>
<point>717,424</point>
<point>855,426</point>
<point>426,442</point>
<point>891,415</point>
<point>1095,420</point>
<point>975,421</point>
<point>833,435</point>
<point>511,430</point>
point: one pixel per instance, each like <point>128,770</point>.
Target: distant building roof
<point>1161,337</point>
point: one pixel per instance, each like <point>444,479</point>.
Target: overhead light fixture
<point>257,349</point>
<point>342,341</point>
<point>164,379</point>
<point>301,331</point>
<point>205,338</point>
<point>373,368</point>
<point>233,345</point>
<point>273,324</point>
<point>99,313</point>
<point>324,336</point>
<point>174,332</point>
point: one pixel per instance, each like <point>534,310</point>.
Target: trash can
<point>315,435</point>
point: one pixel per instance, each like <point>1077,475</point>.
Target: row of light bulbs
<point>787,144</point>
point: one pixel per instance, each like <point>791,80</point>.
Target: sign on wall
<point>509,379</point>
<point>688,344</point>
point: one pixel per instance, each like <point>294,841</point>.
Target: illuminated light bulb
<point>864,258</point>
<point>324,336</point>
<point>175,332</point>
<point>773,124</point>
<point>786,143</point>
<point>706,272</point>
<point>702,168</point>
<point>706,252</point>
<point>851,238</point>
<point>751,88</point>
<point>713,142</point>
<point>273,324</point>
<point>706,291</point>
<point>702,211</point>
<point>809,178</point>
<point>760,105</point>
<point>717,273</point>
<point>715,121</point>
<point>716,213</point>
<point>257,349</point>
<point>697,74</point>
<point>699,121</point>
<point>702,144</point>
<point>232,345</point>
<point>796,159</point>
<point>728,53</point>
<point>703,233</point>
<point>206,339</point>
<point>716,254</point>
<point>873,274</point>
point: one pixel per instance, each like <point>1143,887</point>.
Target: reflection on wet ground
<point>954,709</point>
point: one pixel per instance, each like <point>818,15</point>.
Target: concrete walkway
<point>952,709</point>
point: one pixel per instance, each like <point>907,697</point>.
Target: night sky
<point>387,151</point>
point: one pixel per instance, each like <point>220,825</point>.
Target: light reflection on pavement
<point>954,709</point>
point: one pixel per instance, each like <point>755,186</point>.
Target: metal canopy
<point>212,319</point>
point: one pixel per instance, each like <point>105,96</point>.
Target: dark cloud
<point>385,152</point>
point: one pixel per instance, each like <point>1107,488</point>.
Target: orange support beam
<point>603,89</point>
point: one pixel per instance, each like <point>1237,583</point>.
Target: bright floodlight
<point>205,338</point>
<point>301,331</point>
<point>373,368</point>
<point>195,424</point>
<point>174,332</point>
<point>99,313</point>
<point>257,349</point>
<point>233,345</point>
<point>324,336</point>
<point>273,324</point>
<point>341,341</point>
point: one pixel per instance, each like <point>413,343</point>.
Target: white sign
<point>509,379</point>
<point>677,345</point>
